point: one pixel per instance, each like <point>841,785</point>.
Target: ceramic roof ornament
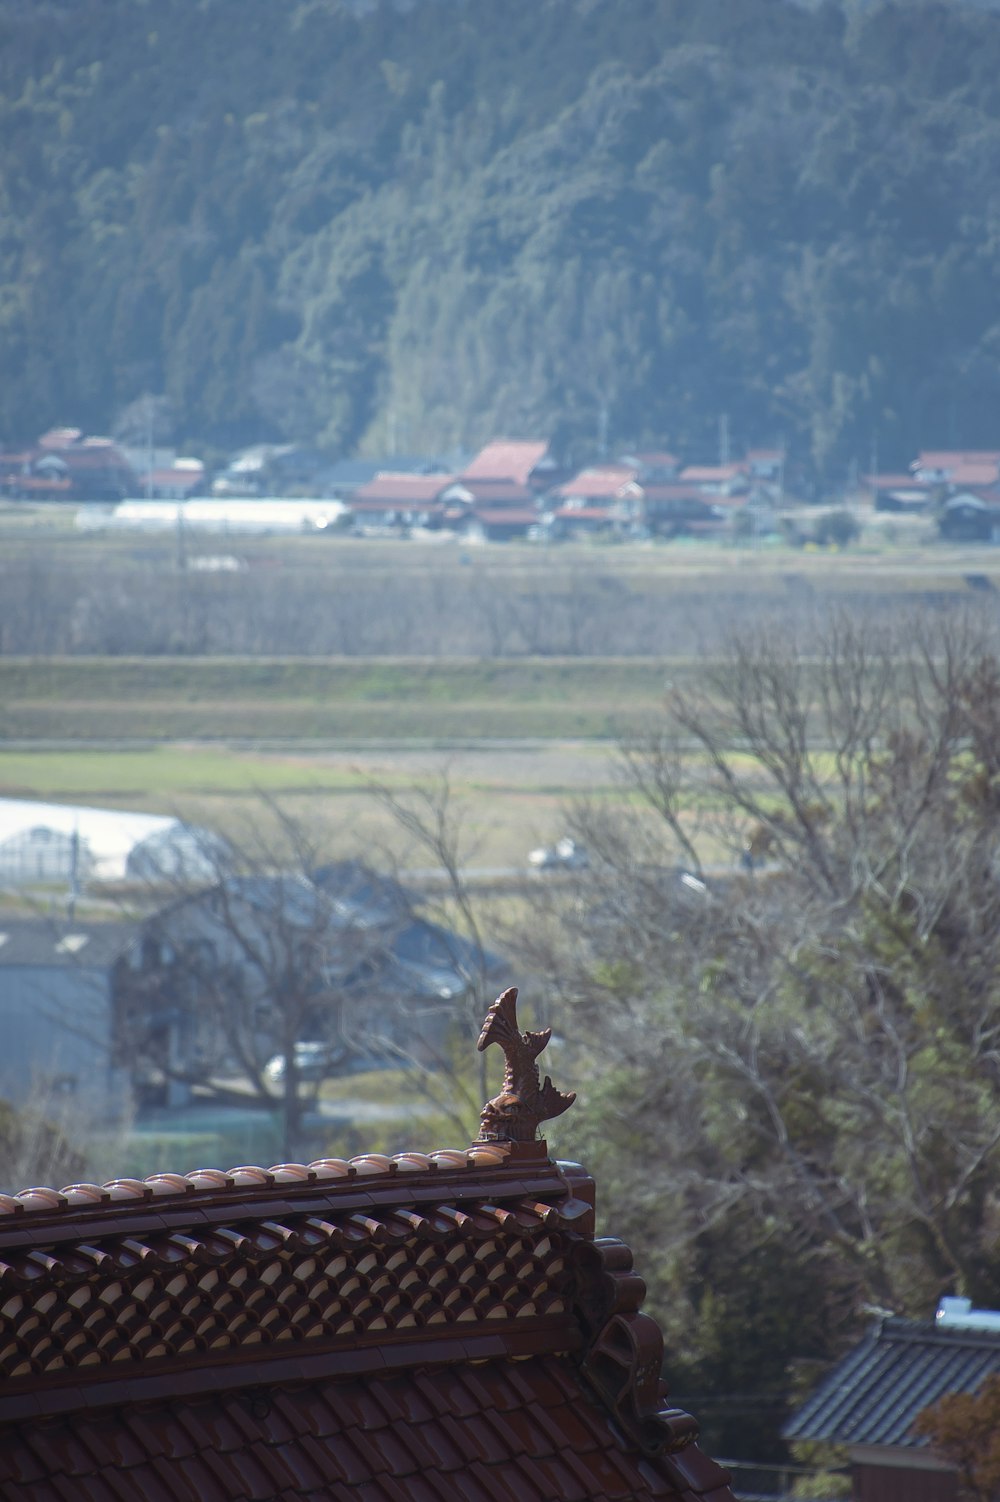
<point>523,1103</point>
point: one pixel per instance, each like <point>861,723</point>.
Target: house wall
<point>882,1483</point>
<point>55,1031</point>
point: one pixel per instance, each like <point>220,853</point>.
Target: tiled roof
<point>386,1329</point>
<point>604,481</point>
<point>968,473</point>
<point>72,944</point>
<point>947,459</point>
<point>893,481</point>
<point>474,1433</point>
<point>506,459</point>
<point>585,513</point>
<point>401,490</point>
<point>506,516</point>
<point>873,1396</point>
<point>711,473</point>
<point>496,492</point>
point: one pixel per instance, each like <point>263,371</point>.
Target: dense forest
<point>388,228</point>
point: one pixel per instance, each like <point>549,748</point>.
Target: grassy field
<point>270,700</point>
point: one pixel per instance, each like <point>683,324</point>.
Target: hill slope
<point>383,226</point>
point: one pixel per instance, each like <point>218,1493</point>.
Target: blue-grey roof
<point>873,1396</point>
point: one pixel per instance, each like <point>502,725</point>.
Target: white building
<point>57,842</point>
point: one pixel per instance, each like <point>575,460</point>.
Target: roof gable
<point>507,459</point>
<point>902,1366</point>
<point>400,1329</point>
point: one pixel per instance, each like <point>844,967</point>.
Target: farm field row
<point>266,700</point>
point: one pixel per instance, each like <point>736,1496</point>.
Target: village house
<point>675,509</point>
<point>401,1328</point>
<point>527,461</point>
<point>64,465</point>
<point>953,467</point>
<point>358,965</point>
<point>490,510</point>
<point>176,481</point>
<point>654,465</point>
<point>971,515</point>
<point>897,493</point>
<point>392,504</point>
<point>717,479</point>
<point>58,981</point>
<point>595,501</point>
<point>869,1402</point>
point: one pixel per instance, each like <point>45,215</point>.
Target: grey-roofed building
<point>339,958</point>
<point>869,1402</point>
<point>57,1000</point>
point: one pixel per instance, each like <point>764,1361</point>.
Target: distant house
<point>765,464</point>
<point>898,493</point>
<point>870,1400</point>
<point>343,953</point>
<point>173,482</point>
<point>393,503</point>
<point>957,467</point>
<point>675,509</point>
<point>654,465</point>
<point>273,469</point>
<point>525,460</point>
<point>19,481</point>
<point>716,479</point>
<point>490,510</point>
<point>499,523</point>
<point>598,485</point>
<point>971,516</point>
<point>57,988</point>
<point>64,465</point>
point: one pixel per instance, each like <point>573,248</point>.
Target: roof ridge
<point>245,1177</point>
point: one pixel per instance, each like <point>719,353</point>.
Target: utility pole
<point>149,446</point>
<point>724,438</point>
<point>602,430</point>
<point>181,540</point>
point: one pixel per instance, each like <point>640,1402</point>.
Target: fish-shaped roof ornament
<point>514,1115</point>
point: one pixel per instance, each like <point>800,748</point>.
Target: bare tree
<point>438,836</point>
<point>286,968</point>
<point>793,961</point>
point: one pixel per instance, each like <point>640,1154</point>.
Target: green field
<point>120,699</point>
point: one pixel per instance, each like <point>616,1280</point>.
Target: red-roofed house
<point>939,466</point>
<point>764,464</point>
<point>395,502</point>
<point>527,461</point>
<point>716,479</point>
<point>394,1329</point>
<point>490,510</point>
<point>95,467</point>
<point>599,484</point>
<point>896,492</point>
<point>975,472</point>
<point>652,464</point>
<point>674,509</point>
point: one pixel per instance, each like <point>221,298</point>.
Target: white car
<point>313,1060</point>
<point>565,855</point>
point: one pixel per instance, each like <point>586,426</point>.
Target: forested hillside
<point>385,228</point>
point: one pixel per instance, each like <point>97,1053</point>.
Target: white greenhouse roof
<point>108,841</point>
<point>269,514</point>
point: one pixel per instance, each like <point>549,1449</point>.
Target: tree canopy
<point>416,226</point>
<point>794,1067</point>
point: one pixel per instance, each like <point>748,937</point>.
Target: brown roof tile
<point>391,1329</point>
